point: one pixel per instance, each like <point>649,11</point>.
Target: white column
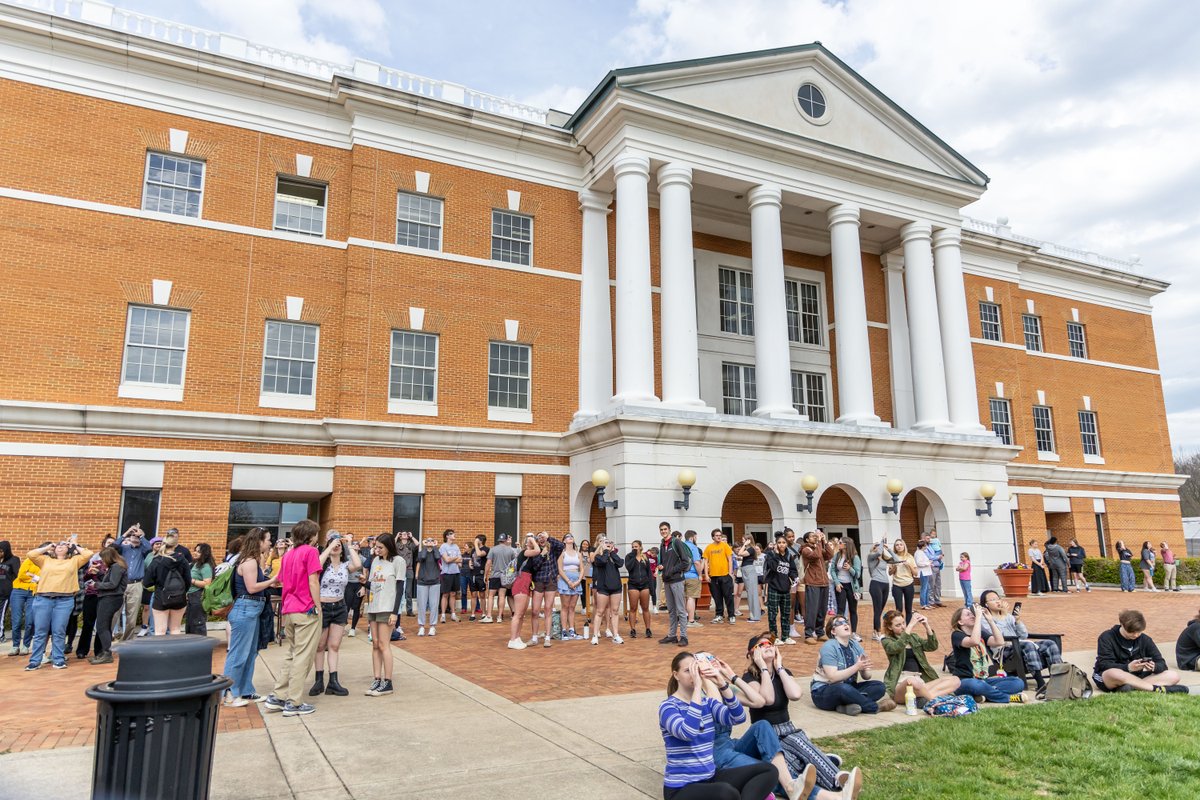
<point>924,332</point>
<point>680,345</point>
<point>900,362</point>
<point>635,321</point>
<point>772,352</point>
<point>956,331</point>
<point>595,320</point>
<point>856,397</point>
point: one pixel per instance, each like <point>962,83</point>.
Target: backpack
<point>1068,682</point>
<point>951,705</point>
<point>218,595</point>
<point>173,592</point>
<point>509,576</point>
<point>673,566</point>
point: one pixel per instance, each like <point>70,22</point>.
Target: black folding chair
<point>1014,661</point>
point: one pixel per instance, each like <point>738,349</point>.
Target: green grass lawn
<point>1125,747</point>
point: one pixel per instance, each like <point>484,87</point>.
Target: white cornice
<point>1092,477</point>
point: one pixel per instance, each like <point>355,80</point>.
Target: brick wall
<point>744,505</point>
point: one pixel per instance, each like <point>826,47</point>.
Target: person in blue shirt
<point>134,546</point>
<point>691,578</point>
<point>842,680</point>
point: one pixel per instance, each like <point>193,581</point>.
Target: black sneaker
<point>668,640</point>
<point>649,633</point>
<point>384,687</point>
<point>683,642</point>
<point>293,710</point>
<point>31,667</point>
<point>374,687</point>
<point>1177,689</point>
<point>633,633</point>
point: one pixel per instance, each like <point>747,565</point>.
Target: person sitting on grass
<point>971,663</point>
<point>1128,660</point>
<point>1038,654</point>
<point>1187,649</point>
<point>907,664</point>
<point>842,679</point>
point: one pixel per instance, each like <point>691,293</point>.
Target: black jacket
<point>779,571</point>
<point>1114,651</point>
<point>606,571</point>
<point>113,582</point>
<point>639,572</point>
<point>1187,649</point>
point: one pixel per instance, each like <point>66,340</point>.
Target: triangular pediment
<point>763,89</point>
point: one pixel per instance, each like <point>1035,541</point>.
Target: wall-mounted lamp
<point>987,492</point>
<point>600,479</point>
<point>809,484</point>
<point>687,479</point>
<point>894,488</point>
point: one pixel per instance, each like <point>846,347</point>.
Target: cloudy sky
<point>1085,113</point>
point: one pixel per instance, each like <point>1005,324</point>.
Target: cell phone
<point>1017,607</point>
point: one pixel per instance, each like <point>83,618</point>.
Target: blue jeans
<point>994,690</point>
<point>968,597</point>
<point>1128,581</point>
<point>20,605</point>
<point>760,743</point>
<point>50,615</point>
<point>865,694</point>
<point>243,640</point>
<point>925,580</point>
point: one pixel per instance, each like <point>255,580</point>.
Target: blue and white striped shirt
<point>688,730</point>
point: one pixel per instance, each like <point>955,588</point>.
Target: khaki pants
<point>303,631</point>
<point>133,602</point>
<point>1169,578</point>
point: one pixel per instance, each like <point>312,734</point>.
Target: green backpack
<point>218,595</point>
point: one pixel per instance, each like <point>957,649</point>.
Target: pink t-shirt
<point>965,575</point>
<point>297,565</point>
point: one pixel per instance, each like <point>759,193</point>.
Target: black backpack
<point>674,566</point>
<point>173,592</point>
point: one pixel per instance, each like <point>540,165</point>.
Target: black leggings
<point>879,596</point>
<point>353,602</point>
<point>752,782</point>
<point>905,592</point>
<point>847,599</point>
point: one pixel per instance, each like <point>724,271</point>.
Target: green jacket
<point>895,646</point>
<point>855,573</point>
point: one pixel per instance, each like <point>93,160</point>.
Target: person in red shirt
<point>300,576</point>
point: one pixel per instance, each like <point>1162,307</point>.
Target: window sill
<point>1093,459</point>
<point>144,391</point>
<point>412,408</point>
<point>510,415</point>
<point>295,402</point>
<point>1044,456</point>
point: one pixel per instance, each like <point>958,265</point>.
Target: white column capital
<point>632,162</point>
<point>767,194</point>
<point>947,237</point>
<point>590,200</point>
<point>675,174</point>
<point>915,231</point>
<point>842,214</point>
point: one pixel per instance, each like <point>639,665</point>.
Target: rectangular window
<point>419,221</point>
<point>1043,429</point>
<point>1089,433</point>
<point>507,518</point>
<point>406,514</point>
<point>1033,332</point>
<point>1001,419</point>
<point>512,238</point>
<point>989,322</point>
<point>155,346</point>
<point>414,367</point>
<point>290,359</point>
<point>140,506</point>
<point>1076,340</point>
<point>300,206</point>
<point>738,390</point>
<point>808,395</point>
<point>803,311</point>
<point>737,301</point>
<point>508,375</point>
<point>174,185</point>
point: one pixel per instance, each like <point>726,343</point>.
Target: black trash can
<point>156,724</point>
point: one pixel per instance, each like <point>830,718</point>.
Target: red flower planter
<point>1014,582</point>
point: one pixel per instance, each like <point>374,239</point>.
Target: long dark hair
<point>5,550</point>
<point>672,683</point>
<point>851,552</point>
<point>753,668</point>
<point>206,556</point>
<point>389,544</point>
<point>110,556</point>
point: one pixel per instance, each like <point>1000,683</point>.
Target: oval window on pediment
<point>811,101</point>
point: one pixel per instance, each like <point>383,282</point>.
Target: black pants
<point>1039,584</point>
<point>107,608</point>
<point>91,603</point>
<point>816,603</point>
<point>903,595</point>
<point>195,621</point>
<point>353,602</point>
<point>846,599</point>
<point>721,587</point>
<point>879,596</point>
<point>752,782</point>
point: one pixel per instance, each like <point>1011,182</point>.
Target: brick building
<point>245,287</point>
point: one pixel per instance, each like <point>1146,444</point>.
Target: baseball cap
<point>504,537</point>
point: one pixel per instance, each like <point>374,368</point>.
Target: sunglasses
<point>767,642</point>
<point>840,621</point>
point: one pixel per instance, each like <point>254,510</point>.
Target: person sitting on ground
<point>687,720</point>
<point>1187,649</point>
<point>971,661</point>
<point>1128,660</point>
<point>1038,654</point>
<point>774,687</point>
<point>842,681</point>
<point>907,664</point>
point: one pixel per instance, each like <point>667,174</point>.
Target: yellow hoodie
<point>22,581</point>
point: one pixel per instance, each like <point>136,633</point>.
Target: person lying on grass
<point>1128,660</point>
<point>907,664</point>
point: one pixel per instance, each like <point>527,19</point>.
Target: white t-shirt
<point>924,565</point>
<point>384,575</point>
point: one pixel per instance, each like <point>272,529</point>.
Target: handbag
<point>1068,682</point>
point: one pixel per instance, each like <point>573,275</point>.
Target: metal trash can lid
<point>163,666</point>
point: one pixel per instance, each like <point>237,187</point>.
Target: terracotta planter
<point>1014,582</point>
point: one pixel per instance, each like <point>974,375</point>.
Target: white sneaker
<point>533,640</point>
<point>545,641</point>
<point>486,619</point>
<point>595,640</point>
<point>443,619</point>
<point>235,702</point>
<point>789,640</point>
<point>516,644</point>
<point>352,632</point>
<point>618,640</point>
<point>453,618</point>
<point>607,634</point>
<point>432,630</point>
<point>420,631</point>
<point>717,620</point>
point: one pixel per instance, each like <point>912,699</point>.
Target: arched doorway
<point>921,511</point>
<point>838,514</point>
<point>746,510</point>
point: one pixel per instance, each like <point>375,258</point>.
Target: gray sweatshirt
<point>877,563</point>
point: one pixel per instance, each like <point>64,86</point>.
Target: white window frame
<point>506,414</point>
<point>984,322</point>
<point>1033,336</point>
<point>298,402</point>
<point>495,236</point>
<point>805,408</point>
<point>1044,414</point>
<point>422,408</point>
<point>1079,342</point>
<point>323,205</point>
<point>743,317</point>
<point>747,382</point>
<point>1007,424</point>
<point>203,182</point>
<point>799,313</point>
<point>440,227</point>
<point>143,390</point>
<point>1098,456</point>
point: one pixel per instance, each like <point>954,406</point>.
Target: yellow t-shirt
<point>718,556</point>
